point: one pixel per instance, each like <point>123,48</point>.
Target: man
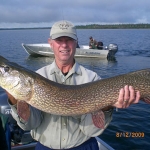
<point>92,43</point>
<point>66,132</point>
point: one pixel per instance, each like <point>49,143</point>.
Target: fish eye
<point>6,68</point>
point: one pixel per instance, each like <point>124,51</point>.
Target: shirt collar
<point>75,69</point>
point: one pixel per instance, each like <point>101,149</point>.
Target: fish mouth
<point>1,70</point>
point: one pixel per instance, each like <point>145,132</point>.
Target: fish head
<point>15,80</point>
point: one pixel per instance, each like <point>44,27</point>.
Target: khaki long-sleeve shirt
<point>62,132</point>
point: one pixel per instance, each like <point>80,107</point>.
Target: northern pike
<point>68,100</point>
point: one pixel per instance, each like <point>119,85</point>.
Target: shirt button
<point>64,124</point>
<point>64,139</point>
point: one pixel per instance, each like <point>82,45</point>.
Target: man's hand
<point>127,96</point>
<point>11,99</point>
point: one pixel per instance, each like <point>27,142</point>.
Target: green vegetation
<point>96,26</point>
<point>114,26</point>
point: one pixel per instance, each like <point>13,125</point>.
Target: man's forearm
<point>11,99</point>
<point>22,107</point>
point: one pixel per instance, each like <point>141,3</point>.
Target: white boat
<point>24,140</point>
<point>44,49</point>
<point>102,145</point>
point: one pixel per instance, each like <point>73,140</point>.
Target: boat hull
<point>83,51</point>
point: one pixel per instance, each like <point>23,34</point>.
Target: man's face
<point>91,39</point>
<point>64,49</point>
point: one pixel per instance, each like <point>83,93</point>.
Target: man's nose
<point>64,44</point>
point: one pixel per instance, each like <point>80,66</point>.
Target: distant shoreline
<point>115,26</point>
<point>95,26</point>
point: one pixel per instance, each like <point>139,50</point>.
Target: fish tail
<point>146,99</point>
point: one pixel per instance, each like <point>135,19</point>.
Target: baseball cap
<point>63,28</point>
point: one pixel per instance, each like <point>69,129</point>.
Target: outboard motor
<point>113,47</point>
<point>4,106</point>
<point>18,136</point>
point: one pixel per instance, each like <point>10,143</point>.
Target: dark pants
<point>90,144</point>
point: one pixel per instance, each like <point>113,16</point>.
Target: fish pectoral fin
<point>23,110</point>
<point>99,119</point>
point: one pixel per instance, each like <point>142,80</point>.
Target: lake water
<point>133,54</point>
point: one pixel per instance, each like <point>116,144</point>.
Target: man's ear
<point>50,41</point>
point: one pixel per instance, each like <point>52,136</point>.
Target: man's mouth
<point>64,51</point>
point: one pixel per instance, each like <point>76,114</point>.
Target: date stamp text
<point>130,134</point>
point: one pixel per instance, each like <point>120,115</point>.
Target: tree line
<point>114,26</point>
<point>96,26</point>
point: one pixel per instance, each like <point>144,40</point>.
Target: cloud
<point>45,13</point>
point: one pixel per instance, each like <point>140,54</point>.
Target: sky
<point>43,13</point>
